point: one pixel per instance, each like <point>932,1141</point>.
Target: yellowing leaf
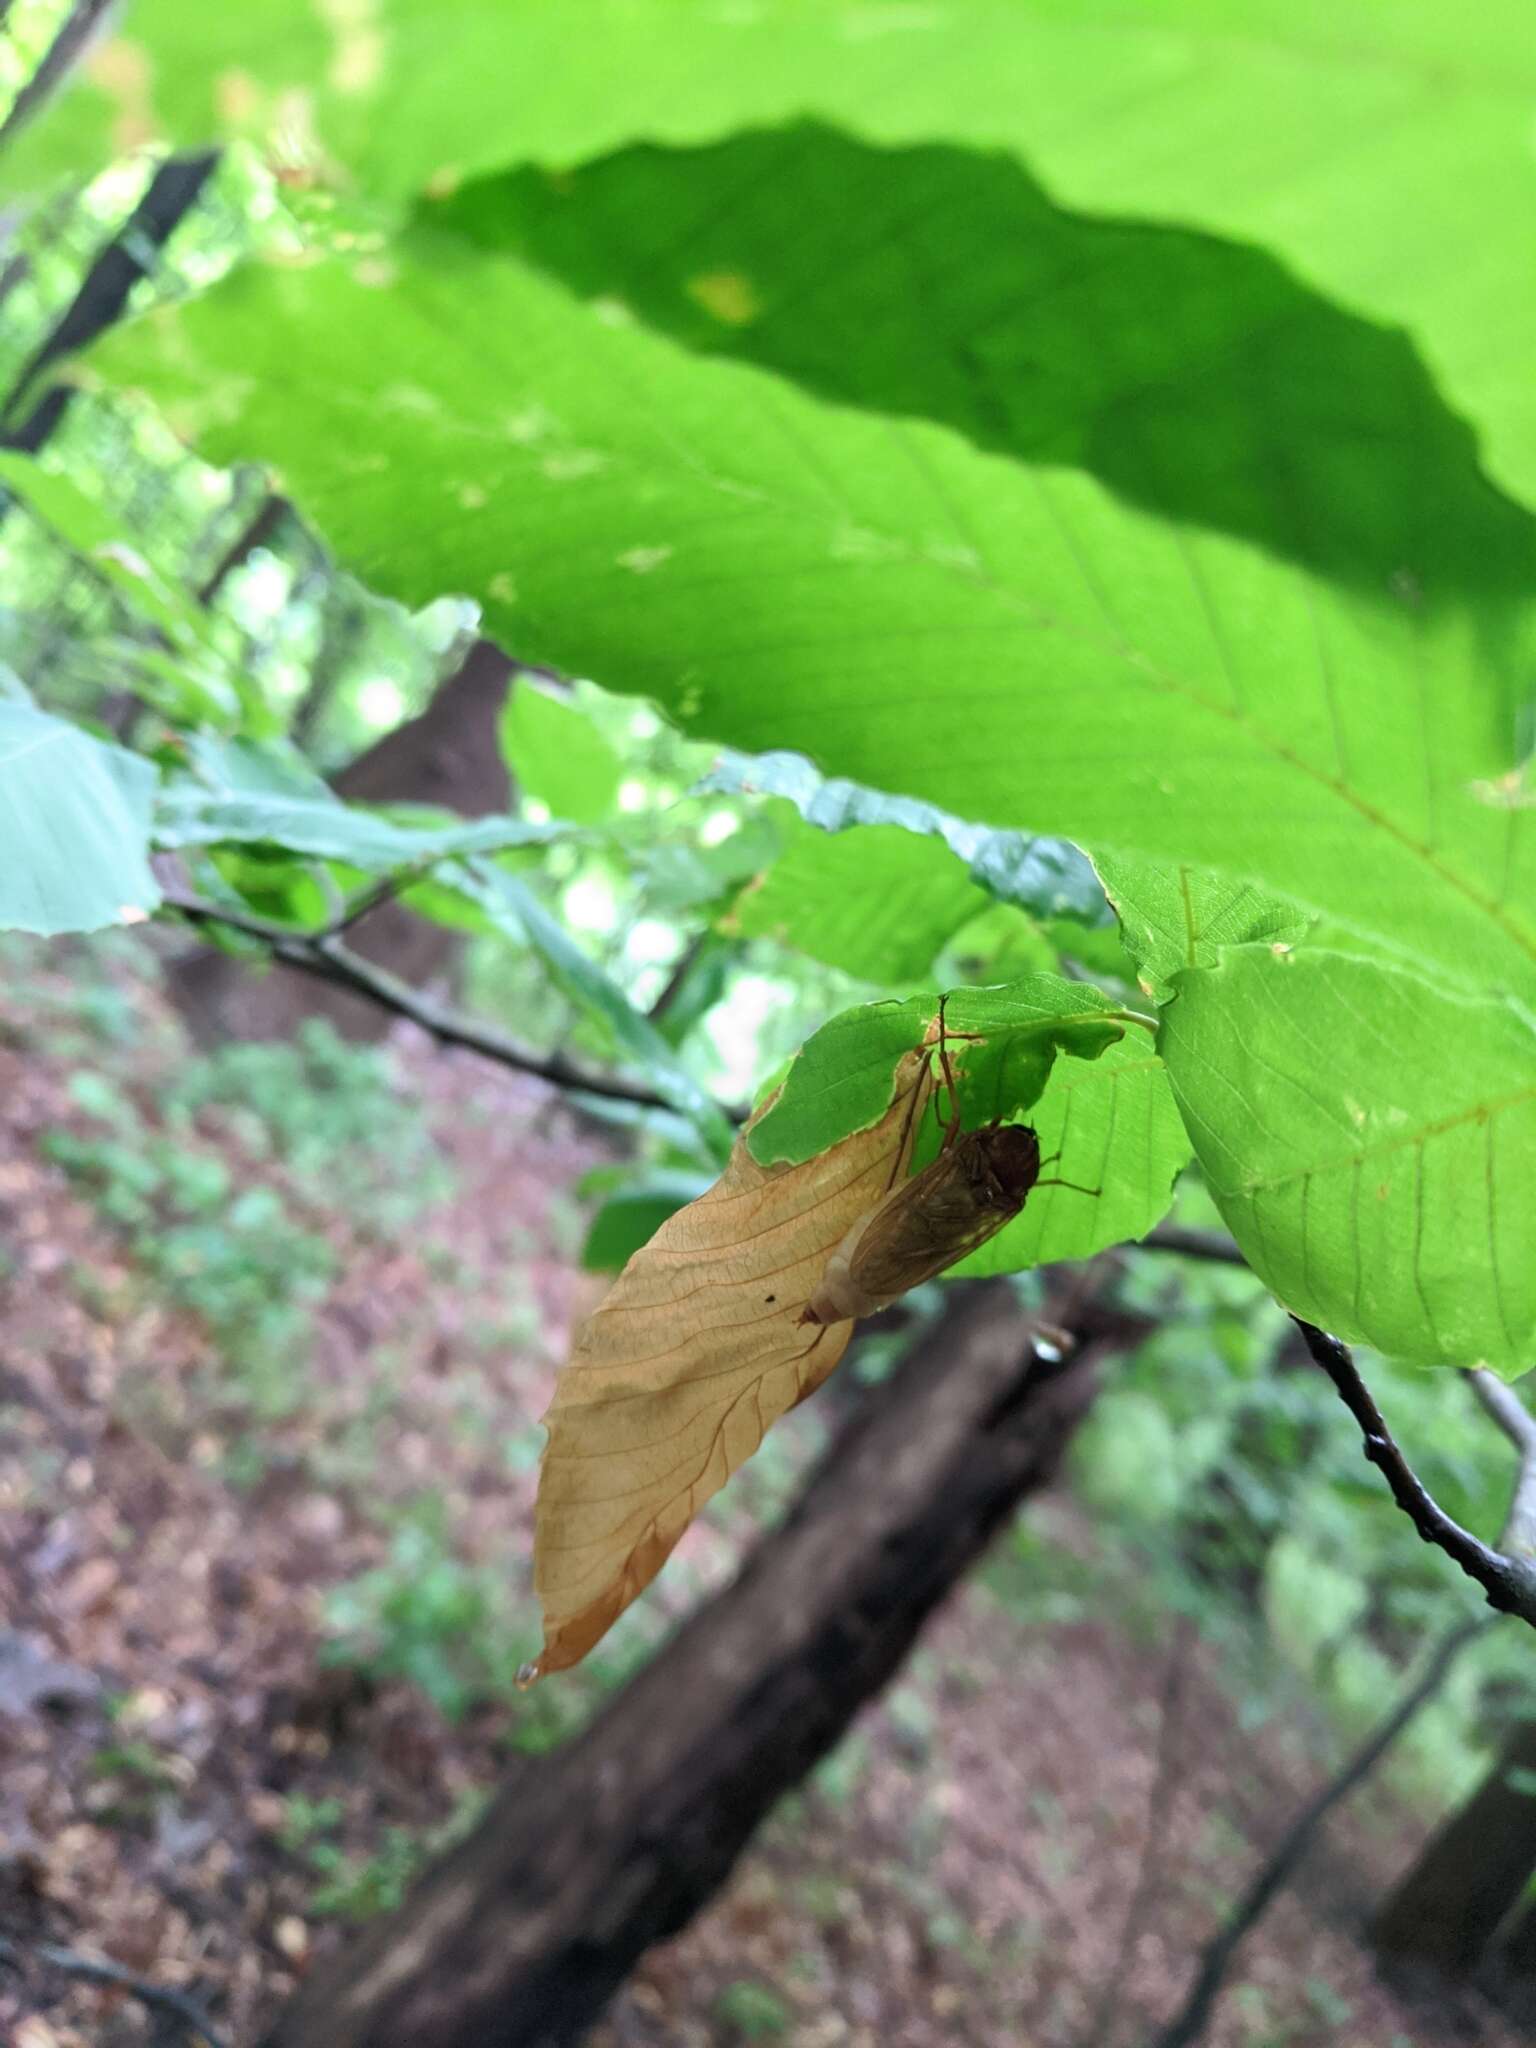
<point>696,1351</point>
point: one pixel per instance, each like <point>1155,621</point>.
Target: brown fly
<point>979,1181</point>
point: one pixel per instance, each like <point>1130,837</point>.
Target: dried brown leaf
<point>697,1349</point>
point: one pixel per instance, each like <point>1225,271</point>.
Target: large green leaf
<point>1010,643</point>
<point>1384,151</point>
<point>1371,1140</point>
<point>74,827</point>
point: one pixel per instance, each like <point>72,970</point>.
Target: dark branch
<point>1509,1582</point>
<point>321,955</point>
<point>97,1970</point>
<point>1188,2025</point>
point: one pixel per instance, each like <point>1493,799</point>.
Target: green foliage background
<point>1033,418</point>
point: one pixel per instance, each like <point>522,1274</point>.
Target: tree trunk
<point>449,756</point>
<point>74,37</point>
<point>1447,1910</point>
<point>169,197</point>
<point>586,1857</point>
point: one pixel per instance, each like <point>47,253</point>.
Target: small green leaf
<point>557,754</point>
<point>1020,1028</point>
<point>1002,1043</point>
<point>875,901</point>
<point>632,1218</point>
<point>74,827</point>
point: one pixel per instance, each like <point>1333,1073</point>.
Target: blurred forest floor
<point>267,1461</point>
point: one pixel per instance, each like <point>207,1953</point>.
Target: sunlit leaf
<point>1007,642</point>
<point>1425,226</point>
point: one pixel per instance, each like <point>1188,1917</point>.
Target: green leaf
<point>841,1080</point>
<point>325,828</point>
<point>558,755</point>
<point>1001,1042</point>
<point>1117,1128</point>
<point>1047,877</point>
<point>1423,227</point>
<point>632,1218</point>
<point>1370,1140</point>
<point>875,901</point>
<point>512,908</point>
<point>1174,917</point>
<point>74,827</point>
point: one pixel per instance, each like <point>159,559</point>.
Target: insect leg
<point>952,1125</point>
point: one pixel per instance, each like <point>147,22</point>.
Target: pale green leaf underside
<point>1047,877</point>
<point>1371,1142</point>
<point>1010,643</point>
<point>186,815</point>
<point>1384,151</point>
<point>74,827</point>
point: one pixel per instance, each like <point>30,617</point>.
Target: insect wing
<point>923,1226</point>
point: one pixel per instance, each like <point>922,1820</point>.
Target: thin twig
<point>1519,1425</point>
<point>97,1970</point>
<point>370,899</point>
<point>1509,1582</point>
<point>322,956</point>
<point>1192,1244</point>
<point>1188,2025</point>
